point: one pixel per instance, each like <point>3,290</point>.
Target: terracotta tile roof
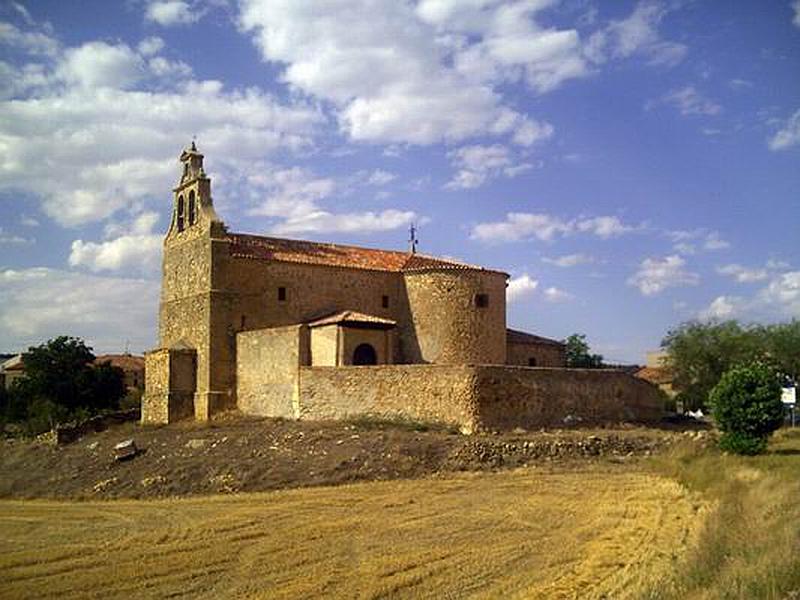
<point>351,316</point>
<point>13,364</point>
<point>339,255</point>
<point>126,362</point>
<point>521,337</point>
<point>655,374</point>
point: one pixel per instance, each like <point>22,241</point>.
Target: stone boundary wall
<point>432,393</point>
<point>478,397</point>
<point>512,397</point>
<point>68,433</point>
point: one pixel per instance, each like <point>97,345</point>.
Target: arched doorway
<point>365,354</point>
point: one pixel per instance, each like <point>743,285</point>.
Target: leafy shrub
<point>746,404</point>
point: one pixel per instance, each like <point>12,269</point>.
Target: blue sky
<point>633,165</point>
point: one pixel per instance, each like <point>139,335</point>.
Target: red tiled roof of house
<point>339,255</point>
<point>126,362</point>
<point>655,374</point>
<point>351,316</point>
<point>522,337</point>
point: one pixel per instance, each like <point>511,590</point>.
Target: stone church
<point>301,329</point>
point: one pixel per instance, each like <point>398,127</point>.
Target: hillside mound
<point>250,455</point>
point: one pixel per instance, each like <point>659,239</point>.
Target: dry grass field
<point>602,531</point>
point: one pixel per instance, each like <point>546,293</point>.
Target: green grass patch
<point>750,544</point>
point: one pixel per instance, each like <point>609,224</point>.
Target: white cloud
<point>721,308</point>
<point>478,164</point>
<point>788,135</point>
<point>41,303</point>
<point>362,222</point>
<point>29,42</point>
<point>520,287</point>
<point>380,177</point>
<point>689,241</point>
<point>294,195</point>
<point>569,260</point>
<point>556,295</point>
<point>136,248</point>
<point>399,75</point>
<point>655,275</point>
<point>743,274</point>
<point>11,239</point>
<point>636,34</point>
<point>603,227</point>
<point>107,148</point>
<point>796,9</point>
<point>98,64</point>
<point>520,226</point>
<point>171,12</point>
<point>150,46</point>
<point>689,101</point>
<point>783,294</point>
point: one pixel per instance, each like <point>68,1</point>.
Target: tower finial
<point>412,239</point>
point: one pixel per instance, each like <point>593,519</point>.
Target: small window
<point>385,301</point>
<point>281,294</point>
<point>192,209</point>
<point>180,213</point>
<point>481,300</point>
<point>531,362</point>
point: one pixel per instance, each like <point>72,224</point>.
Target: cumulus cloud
<point>657,274</point>
<point>569,260</point>
<point>603,227</point>
<point>721,308</point>
<point>11,239</point>
<point>690,241</point>
<point>783,294</point>
<point>788,135</point>
<point>133,247</point>
<point>556,295</point>
<point>478,164</point>
<point>294,196</point>
<point>40,303</point>
<point>778,299</point>
<point>172,12</point>
<point>544,227</point>
<point>688,101</point>
<point>109,142</point>
<point>520,288</point>
<point>432,71</point>
<point>29,42</point>
<point>636,34</point>
<point>743,274</point>
<point>98,64</point>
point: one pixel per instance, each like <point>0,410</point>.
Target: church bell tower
<point>193,208</point>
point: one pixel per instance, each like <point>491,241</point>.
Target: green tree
<point>61,382</point>
<point>699,353</point>
<point>579,355</point>
<point>747,407</point>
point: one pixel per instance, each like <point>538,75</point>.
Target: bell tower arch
<point>192,207</point>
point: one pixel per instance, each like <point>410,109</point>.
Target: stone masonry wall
<point>524,397</point>
<point>478,397</point>
<point>444,325</point>
<point>267,365</point>
<point>546,355</point>
<point>435,393</point>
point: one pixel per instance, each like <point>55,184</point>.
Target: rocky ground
<point>235,454</point>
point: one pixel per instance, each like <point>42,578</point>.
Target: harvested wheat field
<point>521,533</point>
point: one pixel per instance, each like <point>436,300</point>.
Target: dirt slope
<point>263,454</point>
